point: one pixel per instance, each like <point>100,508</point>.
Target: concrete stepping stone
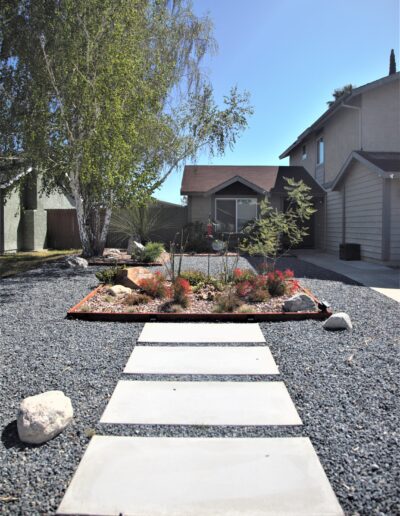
<point>201,403</point>
<point>201,332</point>
<point>148,476</point>
<point>210,360</point>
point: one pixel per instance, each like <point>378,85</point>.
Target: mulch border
<point>74,313</point>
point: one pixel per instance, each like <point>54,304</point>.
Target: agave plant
<point>138,223</point>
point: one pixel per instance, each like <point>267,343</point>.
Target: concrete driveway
<point>385,280</point>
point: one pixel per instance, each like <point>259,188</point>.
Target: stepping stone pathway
<point>201,403</point>
<point>161,476</point>
<point>165,476</point>
<point>210,360</point>
<point>201,332</point>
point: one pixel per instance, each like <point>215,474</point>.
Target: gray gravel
<point>344,385</point>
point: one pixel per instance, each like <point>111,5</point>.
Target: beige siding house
<point>353,152</point>
<point>229,196</point>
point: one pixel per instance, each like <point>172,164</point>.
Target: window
<point>320,151</point>
<point>232,214</point>
<point>304,152</point>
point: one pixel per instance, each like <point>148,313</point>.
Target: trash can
<point>350,251</point>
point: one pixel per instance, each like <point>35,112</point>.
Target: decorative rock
<point>132,276</point>
<point>42,417</point>
<point>134,247</point>
<point>339,321</point>
<point>119,289</point>
<point>76,262</point>
<point>299,303</point>
<point>112,253</point>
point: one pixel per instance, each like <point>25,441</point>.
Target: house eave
<point>335,108</point>
<point>355,156</point>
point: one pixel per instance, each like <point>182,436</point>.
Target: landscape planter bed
<point>116,262</point>
<point>125,259</point>
<point>75,313</point>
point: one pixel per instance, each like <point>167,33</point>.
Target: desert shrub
<point>259,295</point>
<point>278,284</point>
<point>245,309</point>
<point>227,301</point>
<point>85,308</point>
<point>151,252</point>
<point>255,288</point>
<point>155,286</point>
<point>180,291</point>
<point>108,276</point>
<point>216,283</point>
<point>194,277</point>
<point>240,275</point>
<point>198,280</point>
<point>171,307</point>
<point>136,298</point>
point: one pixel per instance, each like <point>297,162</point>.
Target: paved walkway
<point>185,476</point>
<point>385,280</point>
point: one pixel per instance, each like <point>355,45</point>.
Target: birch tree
<point>95,95</point>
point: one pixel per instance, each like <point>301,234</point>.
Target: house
<point>353,152</point>
<point>230,195</point>
<point>25,213</point>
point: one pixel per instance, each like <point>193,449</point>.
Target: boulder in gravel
<point>299,303</point>
<point>134,247</point>
<point>339,321</point>
<point>112,253</point>
<point>42,417</point>
<point>116,290</point>
<point>76,262</point>
<point>133,276</point>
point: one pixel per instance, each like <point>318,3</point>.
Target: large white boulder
<point>116,290</point>
<point>134,248</point>
<point>299,303</point>
<point>339,321</point>
<point>42,417</point>
<point>76,262</point>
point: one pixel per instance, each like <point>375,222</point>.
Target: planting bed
<point>123,258</point>
<point>99,305</point>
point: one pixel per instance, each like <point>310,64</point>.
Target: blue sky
<point>290,55</point>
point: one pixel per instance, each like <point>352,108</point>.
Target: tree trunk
<point>93,223</point>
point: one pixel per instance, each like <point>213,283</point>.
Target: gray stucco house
<point>353,152</point>
<point>230,195</point>
<point>24,213</point>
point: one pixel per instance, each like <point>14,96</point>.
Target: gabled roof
<point>385,164</point>
<point>205,179</point>
<point>338,104</point>
<point>209,179</point>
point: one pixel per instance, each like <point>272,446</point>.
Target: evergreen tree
<point>392,65</point>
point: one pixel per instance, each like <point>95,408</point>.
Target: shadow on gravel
<point>304,269</point>
<point>10,439</point>
<point>46,273</point>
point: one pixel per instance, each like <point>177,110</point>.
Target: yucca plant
<point>138,223</point>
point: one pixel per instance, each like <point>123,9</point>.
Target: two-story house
<point>353,151</point>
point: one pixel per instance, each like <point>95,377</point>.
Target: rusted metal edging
<point>74,313</point>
